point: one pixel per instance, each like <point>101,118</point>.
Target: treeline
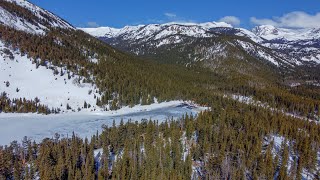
<point>234,141</point>
<point>22,105</point>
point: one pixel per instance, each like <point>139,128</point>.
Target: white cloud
<point>170,15</point>
<point>92,24</point>
<point>231,20</point>
<point>166,18</point>
<point>296,19</point>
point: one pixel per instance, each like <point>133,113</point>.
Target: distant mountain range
<point>293,46</point>
<point>301,44</point>
<point>289,50</point>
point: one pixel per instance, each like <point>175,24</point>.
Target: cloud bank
<point>92,24</point>
<point>234,21</point>
<point>296,19</point>
<point>170,15</point>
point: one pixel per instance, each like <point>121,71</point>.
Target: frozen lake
<point>84,124</point>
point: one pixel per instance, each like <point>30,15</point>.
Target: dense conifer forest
<point>232,140</point>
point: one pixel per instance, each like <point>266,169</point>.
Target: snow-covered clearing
<point>85,124</point>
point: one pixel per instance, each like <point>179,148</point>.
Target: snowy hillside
<point>21,78</point>
<point>36,22</point>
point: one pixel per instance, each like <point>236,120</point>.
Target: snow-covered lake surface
<point>85,124</point>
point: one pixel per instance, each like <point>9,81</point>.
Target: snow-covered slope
<point>28,81</point>
<point>20,75</point>
<point>13,21</point>
<point>31,18</point>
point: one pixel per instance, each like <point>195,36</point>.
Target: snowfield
<point>85,124</point>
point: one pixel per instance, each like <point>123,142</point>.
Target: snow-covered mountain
<point>270,32</point>
<point>25,16</point>
<point>302,44</point>
<point>276,45</point>
<point>158,30</point>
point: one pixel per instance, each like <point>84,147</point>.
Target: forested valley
<point>254,127</point>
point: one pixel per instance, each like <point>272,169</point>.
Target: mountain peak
<point>264,30</point>
<point>270,32</point>
<point>208,25</point>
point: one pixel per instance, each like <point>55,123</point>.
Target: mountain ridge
<point>265,35</point>
<point>268,32</point>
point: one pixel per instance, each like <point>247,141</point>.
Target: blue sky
<point>244,13</point>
